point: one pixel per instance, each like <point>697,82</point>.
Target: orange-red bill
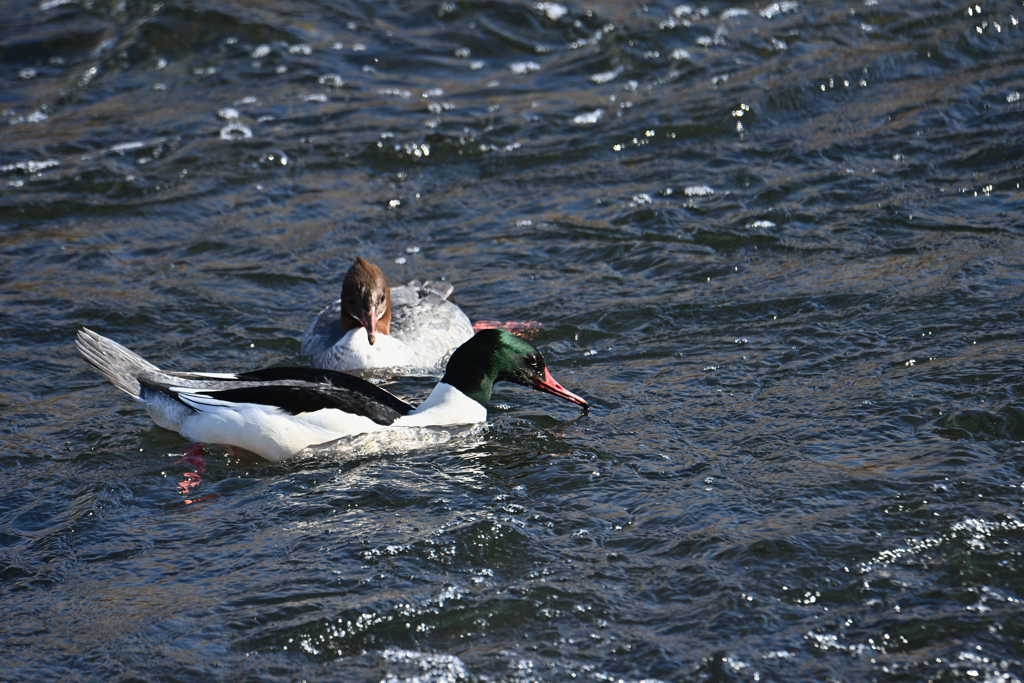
<point>369,321</point>
<point>551,386</point>
<point>523,328</point>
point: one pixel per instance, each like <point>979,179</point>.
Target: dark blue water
<point>778,246</point>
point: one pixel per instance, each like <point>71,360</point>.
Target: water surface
<point>777,245</point>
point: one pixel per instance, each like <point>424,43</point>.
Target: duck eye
<point>532,360</point>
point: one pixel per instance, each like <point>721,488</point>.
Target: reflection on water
<point>397,441</point>
<point>775,244</point>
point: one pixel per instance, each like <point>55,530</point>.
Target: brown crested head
<point>365,300</point>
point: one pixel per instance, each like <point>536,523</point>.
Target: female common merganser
<point>277,412</point>
<point>373,326</point>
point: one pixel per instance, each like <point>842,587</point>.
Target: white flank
<point>165,411</point>
<point>267,430</point>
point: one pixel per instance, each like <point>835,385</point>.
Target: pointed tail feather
<point>119,365</point>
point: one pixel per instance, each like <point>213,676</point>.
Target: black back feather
<point>306,399</point>
<point>319,389</point>
<point>344,392</point>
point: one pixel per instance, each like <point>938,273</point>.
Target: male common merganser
<point>277,412</point>
<point>373,326</point>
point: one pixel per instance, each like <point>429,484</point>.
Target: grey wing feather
<point>423,318</point>
<point>413,291</point>
<point>323,333</point>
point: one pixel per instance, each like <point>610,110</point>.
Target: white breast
<point>354,351</point>
<point>446,405</point>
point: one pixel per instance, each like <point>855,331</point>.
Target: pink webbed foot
<point>191,480</point>
<point>193,458</point>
